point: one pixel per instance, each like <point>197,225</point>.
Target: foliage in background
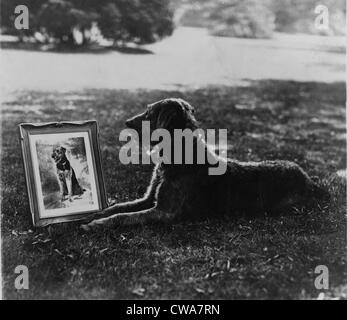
<point>58,18</point>
<point>7,15</point>
<point>147,21</point>
<point>299,16</point>
<point>119,20</point>
<point>260,18</point>
<point>247,19</point>
<point>136,21</point>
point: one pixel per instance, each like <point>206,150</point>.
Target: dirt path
<point>189,58</point>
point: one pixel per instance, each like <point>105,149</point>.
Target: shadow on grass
<point>92,48</point>
<point>221,258</point>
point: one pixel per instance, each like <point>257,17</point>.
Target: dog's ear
<point>63,149</point>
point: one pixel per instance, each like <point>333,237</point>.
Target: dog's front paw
<point>90,225</point>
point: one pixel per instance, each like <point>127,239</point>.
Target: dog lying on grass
<point>188,191</point>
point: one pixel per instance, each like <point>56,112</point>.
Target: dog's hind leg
<point>131,218</point>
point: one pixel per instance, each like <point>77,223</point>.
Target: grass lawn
<point>217,259</point>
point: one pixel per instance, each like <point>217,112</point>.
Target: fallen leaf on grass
<point>213,274</point>
<point>39,241</point>
<point>21,233</point>
<point>199,290</point>
<point>57,251</point>
<point>272,258</point>
<point>138,291</point>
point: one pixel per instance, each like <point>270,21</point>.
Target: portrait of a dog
<point>66,174</point>
<point>69,185</point>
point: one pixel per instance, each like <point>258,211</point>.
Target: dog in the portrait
<point>69,185</point>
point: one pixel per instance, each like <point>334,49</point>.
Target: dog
<point>68,182</point>
<point>187,191</point>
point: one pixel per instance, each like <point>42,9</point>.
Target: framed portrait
<point>63,171</point>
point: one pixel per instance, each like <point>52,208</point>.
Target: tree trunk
<point>84,38</point>
<point>71,39</point>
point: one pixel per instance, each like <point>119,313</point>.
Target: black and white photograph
<point>163,151</point>
<point>65,179</point>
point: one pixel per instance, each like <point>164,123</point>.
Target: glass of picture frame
<point>63,171</point>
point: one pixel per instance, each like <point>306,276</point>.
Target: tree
<point>82,21</point>
<point>55,19</point>
<point>58,19</point>
<point>125,20</point>
<point>259,18</point>
<point>298,16</point>
<point>110,22</point>
<point>136,21</point>
<point>247,18</point>
<point>7,15</point>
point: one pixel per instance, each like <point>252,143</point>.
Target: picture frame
<point>63,172</point>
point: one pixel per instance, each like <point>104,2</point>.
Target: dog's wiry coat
<point>186,191</point>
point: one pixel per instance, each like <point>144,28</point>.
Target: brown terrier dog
<point>187,190</point>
